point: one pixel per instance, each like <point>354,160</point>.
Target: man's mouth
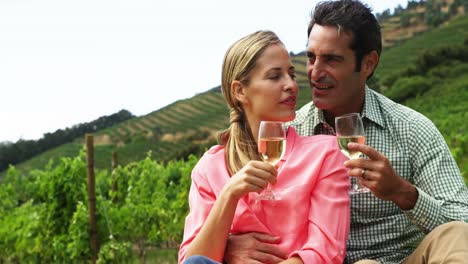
<point>321,86</point>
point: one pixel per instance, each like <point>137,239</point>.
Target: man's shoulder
<point>396,113</point>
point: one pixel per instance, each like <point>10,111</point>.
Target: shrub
<point>408,87</point>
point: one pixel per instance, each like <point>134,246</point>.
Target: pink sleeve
<point>201,200</point>
<point>329,217</point>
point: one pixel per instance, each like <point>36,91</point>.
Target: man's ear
<point>238,91</point>
<point>369,62</point>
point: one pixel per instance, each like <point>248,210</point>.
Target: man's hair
<point>350,16</point>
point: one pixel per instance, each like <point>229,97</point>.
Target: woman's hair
<point>351,16</point>
<point>239,61</point>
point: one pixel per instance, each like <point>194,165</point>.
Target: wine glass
<point>271,146</point>
<point>349,128</point>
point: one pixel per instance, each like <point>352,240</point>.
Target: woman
<point>312,217</point>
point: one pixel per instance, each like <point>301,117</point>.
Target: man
<point>417,209</point>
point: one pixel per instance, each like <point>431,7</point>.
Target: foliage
<point>408,87</point>
<point>142,204</point>
<point>435,85</point>
<point>44,215</point>
<point>13,153</point>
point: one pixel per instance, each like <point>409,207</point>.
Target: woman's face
<point>272,90</point>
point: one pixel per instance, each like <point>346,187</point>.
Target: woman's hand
<point>253,177</point>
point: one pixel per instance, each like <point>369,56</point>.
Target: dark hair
<point>353,17</point>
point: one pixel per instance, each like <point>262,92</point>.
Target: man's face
<point>331,69</point>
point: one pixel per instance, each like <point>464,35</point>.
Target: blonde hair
<point>240,59</point>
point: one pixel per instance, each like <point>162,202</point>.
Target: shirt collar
<point>371,111</point>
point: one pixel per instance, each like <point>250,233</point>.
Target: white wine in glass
<point>349,128</point>
<point>343,143</point>
<point>271,146</point>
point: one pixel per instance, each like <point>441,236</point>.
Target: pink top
<point>313,216</point>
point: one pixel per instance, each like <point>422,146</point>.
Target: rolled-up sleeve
<point>201,200</point>
<point>443,195</point>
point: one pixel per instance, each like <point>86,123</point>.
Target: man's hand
<point>381,178</point>
<point>253,248</point>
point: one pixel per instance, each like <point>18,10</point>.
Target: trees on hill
<point>13,153</point>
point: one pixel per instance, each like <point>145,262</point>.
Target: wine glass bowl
<point>349,128</point>
<point>271,147</point>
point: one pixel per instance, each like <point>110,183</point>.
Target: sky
<point>65,62</point>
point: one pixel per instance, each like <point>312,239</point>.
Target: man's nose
<point>316,71</point>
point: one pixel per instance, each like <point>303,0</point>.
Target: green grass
<point>446,106</point>
<point>159,256</point>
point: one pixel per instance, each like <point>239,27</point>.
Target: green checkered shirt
<point>417,151</point>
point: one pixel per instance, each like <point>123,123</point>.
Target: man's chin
<point>321,104</point>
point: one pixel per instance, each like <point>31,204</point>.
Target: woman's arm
<point>211,241</point>
<point>207,229</point>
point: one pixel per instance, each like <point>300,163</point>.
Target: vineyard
<point>140,206</point>
<point>141,203</point>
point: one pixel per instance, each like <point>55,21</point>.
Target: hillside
<point>190,125</point>
<point>416,18</point>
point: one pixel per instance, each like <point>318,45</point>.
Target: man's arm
<point>438,194</point>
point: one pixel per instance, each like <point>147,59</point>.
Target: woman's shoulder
<point>317,139</point>
<point>213,154</point>
<point>313,143</point>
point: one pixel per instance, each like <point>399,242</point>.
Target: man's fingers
<point>365,149</point>
<point>268,252</point>
<point>272,253</point>
<point>266,238</point>
<point>268,258</point>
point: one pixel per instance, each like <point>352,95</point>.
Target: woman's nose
<point>291,85</point>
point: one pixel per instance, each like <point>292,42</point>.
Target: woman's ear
<point>238,91</point>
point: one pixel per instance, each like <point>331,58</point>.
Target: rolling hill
<point>190,125</point>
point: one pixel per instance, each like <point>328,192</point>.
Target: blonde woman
<point>311,220</point>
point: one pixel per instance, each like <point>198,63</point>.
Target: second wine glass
<point>349,128</point>
<point>271,146</point>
